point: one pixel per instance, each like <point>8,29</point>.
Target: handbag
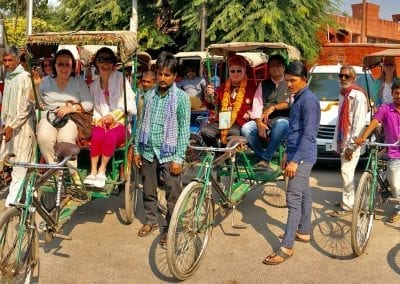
<point>83,121</point>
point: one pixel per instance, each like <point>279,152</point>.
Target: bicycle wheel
<point>131,192</point>
<point>363,214</point>
<point>19,258</point>
<point>189,231</point>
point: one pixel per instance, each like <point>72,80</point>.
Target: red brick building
<point>344,43</point>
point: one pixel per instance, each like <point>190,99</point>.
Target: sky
<point>388,7</point>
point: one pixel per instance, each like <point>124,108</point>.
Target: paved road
<point>105,251</point>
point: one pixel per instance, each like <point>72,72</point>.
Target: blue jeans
<point>299,203</point>
<point>278,133</point>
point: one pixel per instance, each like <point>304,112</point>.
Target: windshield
<point>326,85</point>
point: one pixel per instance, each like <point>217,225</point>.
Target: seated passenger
<point>269,124</point>
<point>61,93</point>
<point>234,98</point>
<point>108,131</point>
<point>193,85</point>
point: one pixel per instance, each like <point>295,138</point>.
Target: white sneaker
<point>90,179</point>
<point>100,181</point>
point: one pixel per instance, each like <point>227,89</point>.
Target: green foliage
<point>16,29</point>
<point>164,23</point>
<point>295,22</point>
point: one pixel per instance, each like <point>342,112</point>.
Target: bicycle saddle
<point>62,149</point>
<point>232,140</point>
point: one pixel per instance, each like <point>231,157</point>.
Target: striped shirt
<point>157,127</point>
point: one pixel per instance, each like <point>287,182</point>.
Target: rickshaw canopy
<point>374,59</point>
<point>224,48</point>
<point>125,42</point>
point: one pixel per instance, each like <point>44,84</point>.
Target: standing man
<point>352,119</point>
<point>300,156</point>
<point>267,118</point>
<point>17,119</point>
<point>162,139</point>
<point>389,116</point>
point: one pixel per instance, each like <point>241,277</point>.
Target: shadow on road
<point>393,258</point>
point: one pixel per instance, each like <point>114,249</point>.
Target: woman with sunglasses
<point>109,130</point>
<point>385,82</point>
<point>234,98</point>
<point>61,93</point>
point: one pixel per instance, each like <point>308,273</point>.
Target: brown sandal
<point>146,229</point>
<point>277,257</point>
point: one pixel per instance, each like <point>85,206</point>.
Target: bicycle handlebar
<point>60,164</point>
<point>377,144</point>
<point>214,149</point>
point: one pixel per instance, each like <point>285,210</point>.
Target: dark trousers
<point>172,186</point>
<point>299,202</point>
<point>211,133</point>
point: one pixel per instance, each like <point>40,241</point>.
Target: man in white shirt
<point>352,119</point>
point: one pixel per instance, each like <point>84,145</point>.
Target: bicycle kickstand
<point>236,226</point>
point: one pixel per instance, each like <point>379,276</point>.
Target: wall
<point>352,53</point>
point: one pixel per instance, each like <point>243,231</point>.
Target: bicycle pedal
<point>61,236</point>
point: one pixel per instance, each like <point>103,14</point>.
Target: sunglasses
<point>105,60</point>
<point>61,65</point>
<point>346,76</point>
<point>388,64</point>
<point>235,70</point>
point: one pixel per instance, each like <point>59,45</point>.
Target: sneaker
<point>76,179</point>
<point>90,179</point>
<point>100,181</point>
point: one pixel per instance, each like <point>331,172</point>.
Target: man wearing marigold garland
<point>234,99</point>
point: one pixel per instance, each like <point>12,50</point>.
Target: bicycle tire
<point>131,192</point>
<point>188,235</point>
<point>22,266</point>
<point>275,196</point>
<point>362,217</point>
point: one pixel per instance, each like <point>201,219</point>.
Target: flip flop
<point>297,238</point>
<point>340,213</point>
<point>146,229</point>
<point>279,253</point>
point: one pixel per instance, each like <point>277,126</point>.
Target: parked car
<point>324,83</point>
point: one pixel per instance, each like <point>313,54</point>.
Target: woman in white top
<point>109,130</point>
<point>61,93</point>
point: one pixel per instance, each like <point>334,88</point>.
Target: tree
<point>16,33</point>
<point>295,22</point>
<point>114,15</point>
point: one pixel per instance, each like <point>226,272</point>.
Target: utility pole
<point>133,24</point>
<point>29,15</point>
<point>363,22</point>
<point>203,26</point>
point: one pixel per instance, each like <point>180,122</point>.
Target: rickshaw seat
<point>62,149</point>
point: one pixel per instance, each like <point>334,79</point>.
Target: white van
<point>323,81</point>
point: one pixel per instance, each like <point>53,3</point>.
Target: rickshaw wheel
<point>131,192</point>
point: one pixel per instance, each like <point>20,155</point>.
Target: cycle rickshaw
<point>227,176</point>
<point>373,187</point>
<point>48,189</point>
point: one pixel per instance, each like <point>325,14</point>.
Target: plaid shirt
<point>157,128</point>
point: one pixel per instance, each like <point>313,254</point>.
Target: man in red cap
<point>234,99</point>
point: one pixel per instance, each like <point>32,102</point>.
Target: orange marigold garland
<point>236,105</point>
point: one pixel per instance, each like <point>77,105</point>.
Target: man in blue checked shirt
<point>161,142</point>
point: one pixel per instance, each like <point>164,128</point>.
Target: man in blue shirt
<point>300,156</point>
